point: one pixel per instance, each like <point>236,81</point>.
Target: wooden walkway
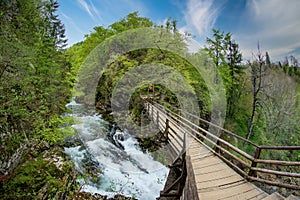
<point>208,176</point>
<point>216,180</point>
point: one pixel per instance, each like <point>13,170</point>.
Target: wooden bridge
<point>210,167</point>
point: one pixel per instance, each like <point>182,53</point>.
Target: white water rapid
<point>121,166</point>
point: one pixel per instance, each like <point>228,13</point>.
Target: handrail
<point>223,146</point>
<point>217,138</point>
<point>229,132</point>
<point>280,147</point>
<point>251,158</point>
<point>209,123</point>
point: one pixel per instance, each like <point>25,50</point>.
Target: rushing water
<point>118,163</point>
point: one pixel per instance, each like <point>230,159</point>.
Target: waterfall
<point>119,165</point>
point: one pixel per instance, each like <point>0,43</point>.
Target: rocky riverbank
<point>45,172</point>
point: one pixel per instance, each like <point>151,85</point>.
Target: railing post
<point>157,118</point>
<point>181,116</point>
<point>152,112</point>
<point>254,163</point>
<point>148,107</point>
<point>184,141</point>
<point>167,129</point>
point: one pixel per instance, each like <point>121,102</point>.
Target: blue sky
<point>274,23</point>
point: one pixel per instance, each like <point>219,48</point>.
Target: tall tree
<point>33,74</point>
<point>225,54</point>
<point>257,74</point>
<point>216,50</point>
<point>233,60</point>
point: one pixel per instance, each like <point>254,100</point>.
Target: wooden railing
<point>251,166</point>
<point>184,185</point>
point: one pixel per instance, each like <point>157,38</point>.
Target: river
<point>119,165</point>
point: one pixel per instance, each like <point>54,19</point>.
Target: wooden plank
<point>211,161</point>
<point>244,194</point>
<point>217,182</point>
<point>200,156</point>
<point>274,196</point>
<point>222,170</point>
<point>179,139</point>
<point>260,196</point>
<point>213,173</point>
<point>214,176</point>
<point>212,167</point>
<point>292,197</point>
<point>207,170</point>
<point>216,189</point>
<point>236,191</point>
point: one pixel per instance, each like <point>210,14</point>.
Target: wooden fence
<point>253,167</point>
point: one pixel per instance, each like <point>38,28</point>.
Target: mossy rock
<point>40,177</point>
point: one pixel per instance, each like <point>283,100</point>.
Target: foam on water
<point>127,171</point>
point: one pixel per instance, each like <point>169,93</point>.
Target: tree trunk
<point>250,127</point>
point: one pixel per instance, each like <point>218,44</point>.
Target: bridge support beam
<point>175,188</point>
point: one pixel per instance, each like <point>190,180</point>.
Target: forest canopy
<point>38,76</point>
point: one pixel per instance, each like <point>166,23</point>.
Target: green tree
<point>34,74</point>
<point>233,61</point>
<point>227,58</point>
<point>216,49</point>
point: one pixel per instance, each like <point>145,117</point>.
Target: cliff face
<point>9,162</point>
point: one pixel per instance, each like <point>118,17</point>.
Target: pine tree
<point>234,58</point>
<point>227,58</point>
<point>33,72</point>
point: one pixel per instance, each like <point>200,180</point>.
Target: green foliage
<point>223,52</point>
<point>216,49</point>
<point>272,89</point>
<point>34,177</point>
<point>35,76</point>
<point>118,64</point>
<point>277,115</point>
<point>79,52</point>
<point>55,130</point>
<point>226,56</point>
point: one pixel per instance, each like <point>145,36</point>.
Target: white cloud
<point>193,45</point>
<point>201,16</point>
<point>275,24</point>
<point>95,10</point>
<point>92,11</point>
<point>72,38</point>
<point>86,7</point>
<point>70,20</point>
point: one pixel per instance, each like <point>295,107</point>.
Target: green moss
<point>34,177</point>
